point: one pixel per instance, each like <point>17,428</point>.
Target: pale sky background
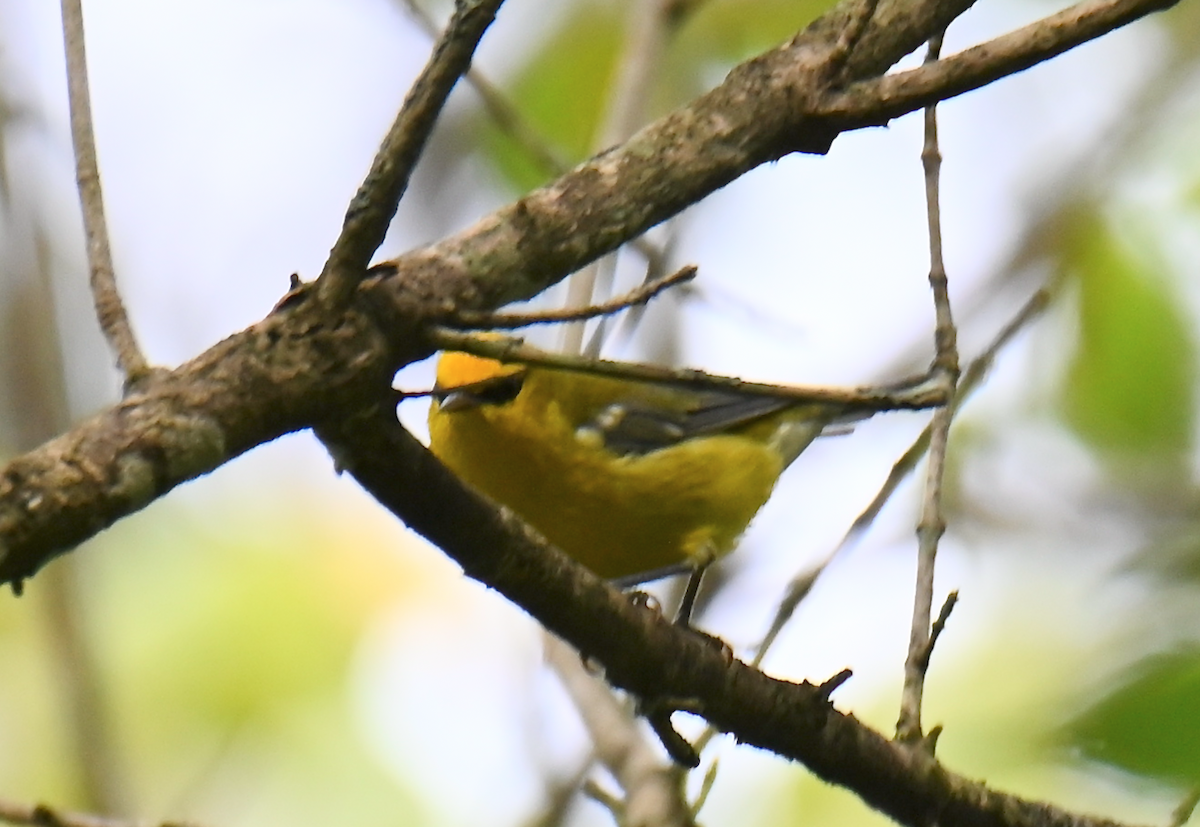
<point>232,134</point>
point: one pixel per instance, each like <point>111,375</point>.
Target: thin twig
<point>877,100</point>
<point>373,206</point>
<point>634,298</point>
<point>917,395</point>
<point>932,524</point>
<point>504,115</point>
<point>653,789</point>
<point>39,815</point>
<point>706,786</point>
<point>648,31</point>
<point>110,310</point>
<point>613,803</point>
<point>972,378</point>
<point>938,627</point>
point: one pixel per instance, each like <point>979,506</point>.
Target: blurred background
<point>265,646</point>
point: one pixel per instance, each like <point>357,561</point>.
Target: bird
<point>631,478</point>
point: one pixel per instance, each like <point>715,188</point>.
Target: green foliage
<point>726,32</point>
<point>564,89</point>
<point>222,655</point>
<point>1151,724</point>
<point>1129,386</point>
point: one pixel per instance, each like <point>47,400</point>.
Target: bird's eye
<point>497,390</point>
<point>500,389</point>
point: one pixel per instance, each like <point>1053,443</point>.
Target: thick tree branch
<point>875,102</point>
<point>781,102</point>
<point>645,653</point>
<point>275,377</point>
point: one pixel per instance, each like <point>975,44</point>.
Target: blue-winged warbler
<point>625,476</point>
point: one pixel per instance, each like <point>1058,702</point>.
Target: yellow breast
<point>618,515</point>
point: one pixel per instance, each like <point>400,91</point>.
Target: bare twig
<point>634,298</point>
<point>974,375</point>
<point>879,99</point>
<point>939,626</point>
<point>39,815</point>
<point>110,311</point>
<point>506,116</point>
<point>917,395</point>
<point>648,30</point>
<point>373,206</point>
<point>932,523</point>
<point>609,801</point>
<point>706,786</point>
<point>653,789</point>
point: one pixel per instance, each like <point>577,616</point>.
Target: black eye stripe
<point>497,390</point>
<point>501,389</point>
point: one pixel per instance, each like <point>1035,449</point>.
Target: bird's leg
<point>699,566</point>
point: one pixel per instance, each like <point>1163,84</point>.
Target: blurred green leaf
<point>225,650</point>
<point>1192,195</point>
<point>730,31</point>
<point>1150,725</point>
<point>733,30</point>
<point>564,89</point>
<point>1129,385</point>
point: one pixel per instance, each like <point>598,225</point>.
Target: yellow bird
<point>627,477</point>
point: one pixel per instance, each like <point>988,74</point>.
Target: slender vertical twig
<point>932,522</point>
<point>373,206</point>
<point>972,378</point>
<point>650,27</point>
<point>110,310</point>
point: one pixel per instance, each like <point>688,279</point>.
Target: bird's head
<point>465,381</point>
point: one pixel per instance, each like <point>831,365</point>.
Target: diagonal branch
<point>874,102</point>
<point>778,103</point>
<point>371,210</point>
<point>646,654</point>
